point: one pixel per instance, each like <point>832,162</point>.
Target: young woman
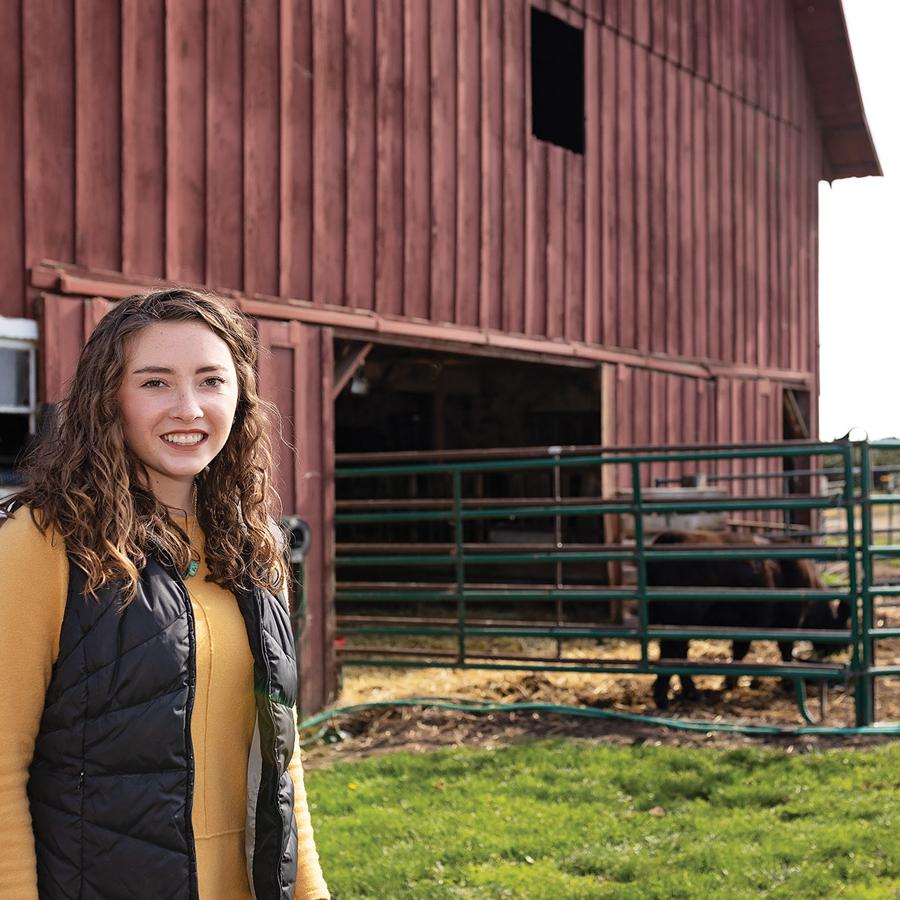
<point>147,673</point>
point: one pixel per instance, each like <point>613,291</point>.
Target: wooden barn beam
<point>347,366</point>
<point>368,326</point>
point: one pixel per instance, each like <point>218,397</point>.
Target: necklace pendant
<point>192,568</point>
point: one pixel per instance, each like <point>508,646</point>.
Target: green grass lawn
<point>569,820</point>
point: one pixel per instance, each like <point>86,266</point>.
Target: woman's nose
<point>187,406</point>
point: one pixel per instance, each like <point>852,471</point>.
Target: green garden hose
<point>479,706</point>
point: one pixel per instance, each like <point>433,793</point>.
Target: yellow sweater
<point>34,574</point>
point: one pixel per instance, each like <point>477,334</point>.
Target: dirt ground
<point>753,701</point>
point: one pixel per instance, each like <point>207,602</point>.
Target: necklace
<point>194,564</point>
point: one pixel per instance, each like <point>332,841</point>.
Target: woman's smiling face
<point>177,403</point>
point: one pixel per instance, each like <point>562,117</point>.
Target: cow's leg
<point>661,692</point>
<point>688,688</point>
<point>668,649</point>
<point>786,649</point>
<point>738,652</point>
<point>675,650</point>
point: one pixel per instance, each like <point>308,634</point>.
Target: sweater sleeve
<point>34,576</point>
<point>310,881</point>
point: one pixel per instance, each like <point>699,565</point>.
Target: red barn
<point>502,223</point>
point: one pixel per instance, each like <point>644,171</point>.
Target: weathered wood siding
<point>377,154</point>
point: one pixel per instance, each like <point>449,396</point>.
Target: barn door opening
<point>409,405</point>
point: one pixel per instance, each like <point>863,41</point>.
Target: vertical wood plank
<point>806,300</point>
<point>714,24</point>
<point>789,262</point>
<point>700,187</point>
<point>359,68</point>
<point>417,242</point>
<point>747,212</point>
<point>726,213</point>
<point>626,196</point>
<point>98,197</point>
<point>701,394</point>
<point>659,31</point>
<point>143,137</point>
<point>658,434</point>
<point>443,160</point>
<point>784,189</point>
<point>658,206</point>
<point>673,30</point>
<point>671,85</point>
<point>740,294</point>
<point>642,30</point>
<point>536,298</point>
<point>185,141</point>
<point>686,208</point>
<point>389,225</point>
<point>686,32</point>
<point>774,239</point>
<point>515,138</point>
<point>609,186</point>
<point>535,247</point>
<point>725,12</point>
<point>713,193</point>
<point>296,239</point>
<point>555,245</point>
<point>490,309</point>
<point>701,31</point>
<point>48,33</point>
<point>740,12</point>
<point>329,153</point>
<point>262,189</point>
<point>225,145</point>
<point>468,162</point>
<point>763,230</point>
<point>593,88</point>
<point>626,17</point>
<point>573,291</point>
<point>641,153</point>
<point>61,337</point>
<point>12,173</point>
<point>640,425</point>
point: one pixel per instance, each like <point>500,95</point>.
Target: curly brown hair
<point>82,479</point>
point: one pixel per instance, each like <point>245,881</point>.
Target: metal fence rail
<point>442,578</point>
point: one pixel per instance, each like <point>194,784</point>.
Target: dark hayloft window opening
<point>557,81</point>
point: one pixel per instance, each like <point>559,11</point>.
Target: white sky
<point>859,248</point>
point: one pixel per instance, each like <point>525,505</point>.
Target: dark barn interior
<point>409,400</point>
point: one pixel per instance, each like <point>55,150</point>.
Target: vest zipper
<point>257,599</point>
<point>193,890</point>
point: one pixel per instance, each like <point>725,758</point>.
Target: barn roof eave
<point>846,137</point>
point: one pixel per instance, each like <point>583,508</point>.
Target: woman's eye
<point>152,382</point>
<point>214,381</point>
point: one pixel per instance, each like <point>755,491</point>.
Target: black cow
<point>748,574</point>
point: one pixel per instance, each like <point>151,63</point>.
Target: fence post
<point>866,699</point>
<point>460,564</point>
<point>859,689</point>
<point>640,562</point>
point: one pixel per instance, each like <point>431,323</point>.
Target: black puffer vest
<point>111,781</point>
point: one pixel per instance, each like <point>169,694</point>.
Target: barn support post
<point>296,371</point>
